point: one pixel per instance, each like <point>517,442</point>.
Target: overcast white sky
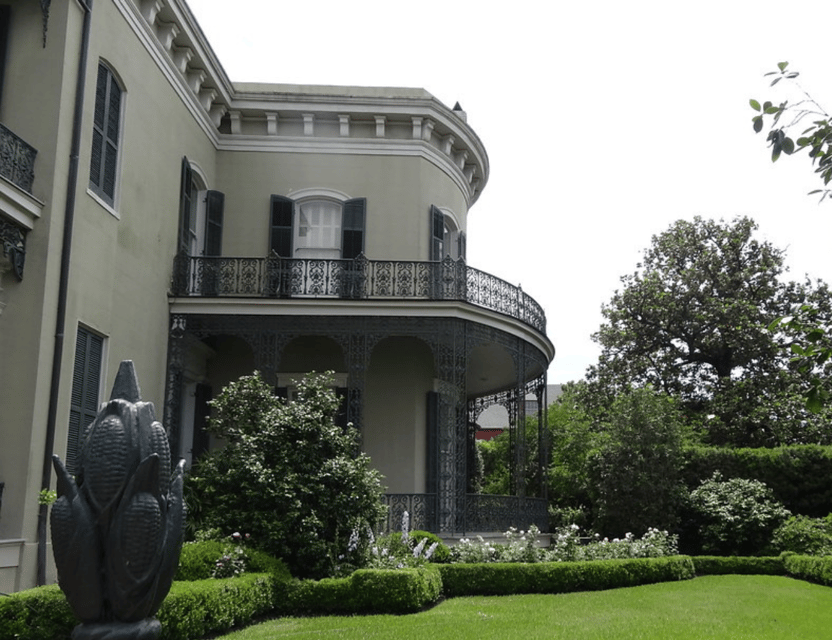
<point>604,122</point>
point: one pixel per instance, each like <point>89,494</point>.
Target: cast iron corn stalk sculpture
<point>117,527</point>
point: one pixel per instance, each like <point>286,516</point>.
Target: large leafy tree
<point>692,321</point>
<point>288,475</point>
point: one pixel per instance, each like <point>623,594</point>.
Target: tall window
<point>200,216</point>
<point>446,239</point>
<point>105,135</point>
<point>317,228</point>
<point>86,380</point>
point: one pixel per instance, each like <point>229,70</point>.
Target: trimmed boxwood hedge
<point>191,610</point>
<point>196,609</point>
<point>364,591</point>
<point>560,577</point>
<point>744,565</point>
<point>810,568</point>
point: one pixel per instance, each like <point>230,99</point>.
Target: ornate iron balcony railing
<point>357,279</point>
<point>17,159</point>
<point>482,512</point>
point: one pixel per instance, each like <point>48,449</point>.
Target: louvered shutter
<point>437,233</point>
<point>353,221</point>
<point>98,127</point>
<point>214,205</point>
<point>86,379</point>
<point>202,410</point>
<point>280,237</point>
<point>5,14</point>
<point>462,245</point>
<point>105,136</point>
<point>185,197</point>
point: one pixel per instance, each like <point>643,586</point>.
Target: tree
<point>288,475</point>
<point>636,470</point>
<point>692,322</point>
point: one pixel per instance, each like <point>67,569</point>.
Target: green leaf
<point>754,104</point>
<point>788,146</point>
<point>771,110</point>
<point>758,123</point>
<point>782,65</point>
<point>775,81</point>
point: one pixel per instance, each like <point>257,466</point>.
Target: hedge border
<point>193,610</point>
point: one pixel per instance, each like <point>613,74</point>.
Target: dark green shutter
<point>353,222</point>
<point>280,237</point>
<point>105,135</point>
<point>202,410</point>
<point>5,15</point>
<point>185,197</point>
<point>341,418</point>
<point>437,233</point>
<point>86,378</point>
<point>432,443</point>
<point>214,204</point>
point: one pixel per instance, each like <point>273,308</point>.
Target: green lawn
<point>724,607</point>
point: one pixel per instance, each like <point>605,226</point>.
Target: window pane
<point>318,232</point>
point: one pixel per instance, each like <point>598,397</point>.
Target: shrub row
<point>742,565</point>
<point>797,474</point>
<point>560,577</point>
<point>811,568</point>
<point>364,591</point>
<point>191,610</point>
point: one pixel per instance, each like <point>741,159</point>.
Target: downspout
<point>63,285</point>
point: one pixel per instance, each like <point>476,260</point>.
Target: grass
<point>724,607</point>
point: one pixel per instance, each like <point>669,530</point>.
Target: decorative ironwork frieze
<point>17,159</point>
<point>275,277</point>
<point>44,7</point>
<point>13,239</point>
<point>450,341</point>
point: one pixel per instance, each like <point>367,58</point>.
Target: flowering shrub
<point>288,472</point>
<point>737,516</point>
<point>566,546</point>
<point>402,550</point>
<point>804,535</point>
<point>212,555</point>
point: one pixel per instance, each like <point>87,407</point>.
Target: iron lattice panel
<point>353,279</point>
<point>450,341</point>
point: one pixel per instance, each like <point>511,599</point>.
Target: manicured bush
<point>191,611</point>
<point>364,591</point>
<point>804,536</point>
<point>36,614</point>
<point>560,577</point>
<point>288,473</point>
<point>736,516</point>
<point>743,565</point>
<point>812,568</point>
<point>798,475</point>
<point>198,560</point>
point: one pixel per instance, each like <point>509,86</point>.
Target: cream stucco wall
<point>394,434</point>
<point>399,191</point>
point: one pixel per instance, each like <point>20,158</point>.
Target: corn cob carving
<point>117,527</point>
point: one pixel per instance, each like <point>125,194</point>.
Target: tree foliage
<point>810,335</point>
<point>288,475</point>
<point>635,470</point>
<point>692,322</point>
<point>786,117</point>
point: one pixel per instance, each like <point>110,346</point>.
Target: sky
<point>604,122</point>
